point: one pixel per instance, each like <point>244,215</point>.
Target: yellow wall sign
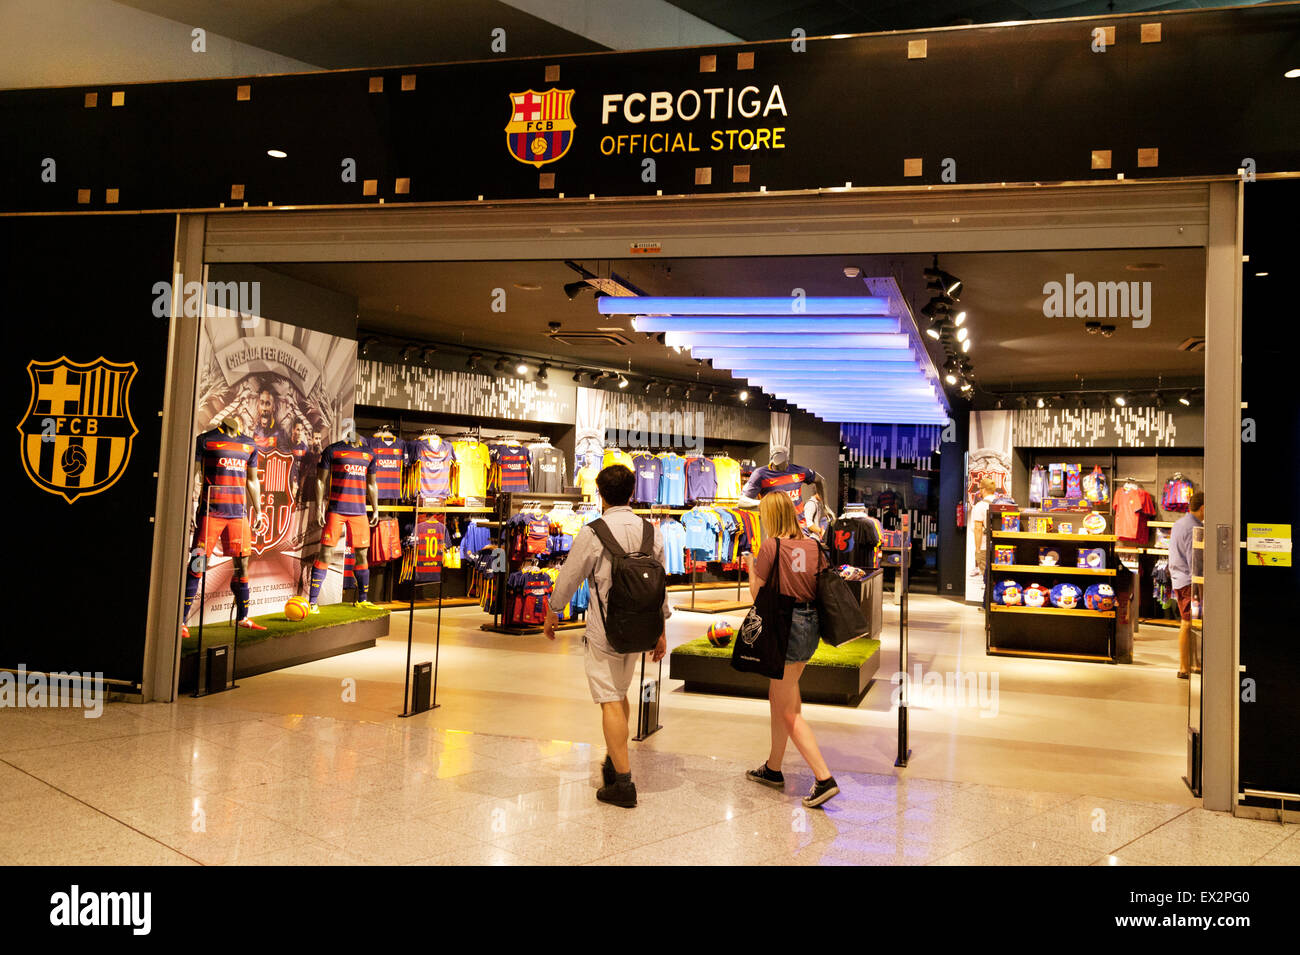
<point>1268,545</point>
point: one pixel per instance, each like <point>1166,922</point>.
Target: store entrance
<point>407,318</point>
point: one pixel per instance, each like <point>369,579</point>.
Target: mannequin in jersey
<point>229,494</point>
<point>345,481</point>
<point>781,475</point>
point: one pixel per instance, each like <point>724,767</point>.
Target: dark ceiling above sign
<point>1038,102</point>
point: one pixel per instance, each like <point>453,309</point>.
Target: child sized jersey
<point>586,478</point>
<point>672,480</point>
<point>648,470</point>
<point>701,480</point>
<point>432,458</point>
<point>430,545</point>
<point>510,467</point>
<point>224,463</point>
<point>728,478</point>
<point>790,481</point>
<point>472,460</point>
<point>390,455</point>
<point>350,467</point>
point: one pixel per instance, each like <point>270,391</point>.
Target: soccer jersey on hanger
<point>390,455</point>
<point>727,471</point>
<point>701,480</point>
<point>672,480</point>
<point>471,471</point>
<point>433,460</point>
<point>614,456</point>
<point>648,470</point>
<point>546,474</point>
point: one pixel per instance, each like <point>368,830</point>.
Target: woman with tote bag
<point>796,577</point>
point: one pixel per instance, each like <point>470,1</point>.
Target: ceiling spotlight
<point>521,368</point>
<point>1185,400</point>
<point>965,345</point>
<point>1107,331</point>
<point>1121,400</point>
<point>647,386</point>
<point>998,405</point>
<point>962,333</point>
<point>367,344</point>
<point>427,353</point>
<point>966,386</point>
<point>948,282</point>
<point>500,366</point>
<point>687,394</point>
<point>553,327</point>
<point>472,361</point>
<point>950,378</point>
<point>622,381</point>
<point>541,371</point>
<point>935,330</point>
<point>1040,403</point>
<point>1080,401</point>
<point>574,289</point>
<point>668,391</point>
<point>1291,74</point>
<point>744,396</point>
<point>577,376</point>
<point>959,317</point>
<point>934,308</point>
<point>851,271</point>
<point>277,154</point>
<point>1160,400</point>
<point>1092,328</point>
<point>713,394</point>
<point>408,351</point>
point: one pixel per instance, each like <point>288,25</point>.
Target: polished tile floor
<point>198,783</point>
<point>1076,764</point>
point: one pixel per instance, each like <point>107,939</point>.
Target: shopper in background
<point>979,516</point>
<point>801,559</point>
<point>1180,576</point>
<point>609,673</point>
<point>815,516</point>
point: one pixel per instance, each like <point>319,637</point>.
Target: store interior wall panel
<point>952,489</point>
<point>816,445</point>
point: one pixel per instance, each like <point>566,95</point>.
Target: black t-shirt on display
<point>853,540</point>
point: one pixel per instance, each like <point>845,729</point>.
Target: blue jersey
<point>648,470</point>
<point>702,529</point>
<point>390,455</point>
<point>701,480</point>
<point>674,537</point>
<point>672,480</point>
<point>350,467</point>
<point>789,481</point>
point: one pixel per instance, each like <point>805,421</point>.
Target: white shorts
<point>609,674</point>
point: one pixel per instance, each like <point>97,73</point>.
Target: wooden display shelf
<point>1144,550</point>
<point>1107,614</point>
<point>1055,569</point>
<point>1026,535</point>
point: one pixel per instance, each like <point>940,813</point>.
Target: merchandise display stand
<point>507,505</point>
<point>648,709</point>
<point>904,750</point>
<point>200,682</point>
<point>410,635</point>
<point>1047,631</point>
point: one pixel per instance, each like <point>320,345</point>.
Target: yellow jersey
<point>616,456</point>
<point>472,460</point>
<point>727,472</point>
<point>586,478</point>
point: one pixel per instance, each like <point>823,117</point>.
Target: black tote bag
<point>762,640</point>
<point>839,612</point>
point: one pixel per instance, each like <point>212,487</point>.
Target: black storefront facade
<point>1069,134</point>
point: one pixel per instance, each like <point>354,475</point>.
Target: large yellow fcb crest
<point>540,128</point>
<point>76,436</point>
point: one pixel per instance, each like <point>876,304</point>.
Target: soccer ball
<point>720,633</point>
<point>73,460</point>
<point>297,608</point>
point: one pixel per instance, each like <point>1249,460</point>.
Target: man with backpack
<point>621,556</point>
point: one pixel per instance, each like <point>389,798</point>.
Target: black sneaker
<point>607,771</point>
<point>822,790</point>
<point>621,792</point>
<point>766,776</point>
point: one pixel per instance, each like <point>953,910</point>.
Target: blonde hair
<point>988,485</point>
<point>777,515</point>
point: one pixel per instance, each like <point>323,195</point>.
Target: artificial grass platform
<point>852,654</point>
<point>277,625</point>
<point>840,675</point>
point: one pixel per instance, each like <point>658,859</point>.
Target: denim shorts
<point>805,632</point>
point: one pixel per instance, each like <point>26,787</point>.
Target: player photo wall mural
<point>291,391</point>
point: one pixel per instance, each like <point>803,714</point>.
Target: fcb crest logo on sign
<point>76,436</point>
<point>540,128</point>
<point>274,471</point>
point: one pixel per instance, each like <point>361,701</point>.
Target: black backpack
<point>634,618</point>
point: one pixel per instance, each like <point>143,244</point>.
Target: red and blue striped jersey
<point>350,467</point>
<point>224,462</point>
<point>434,462</point>
<point>511,465</point>
<point>390,454</point>
<point>790,482</point>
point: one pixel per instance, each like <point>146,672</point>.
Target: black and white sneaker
<point>822,790</point>
<point>766,776</point>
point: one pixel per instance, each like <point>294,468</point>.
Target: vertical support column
<point>175,470</point>
<point>1222,633</point>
